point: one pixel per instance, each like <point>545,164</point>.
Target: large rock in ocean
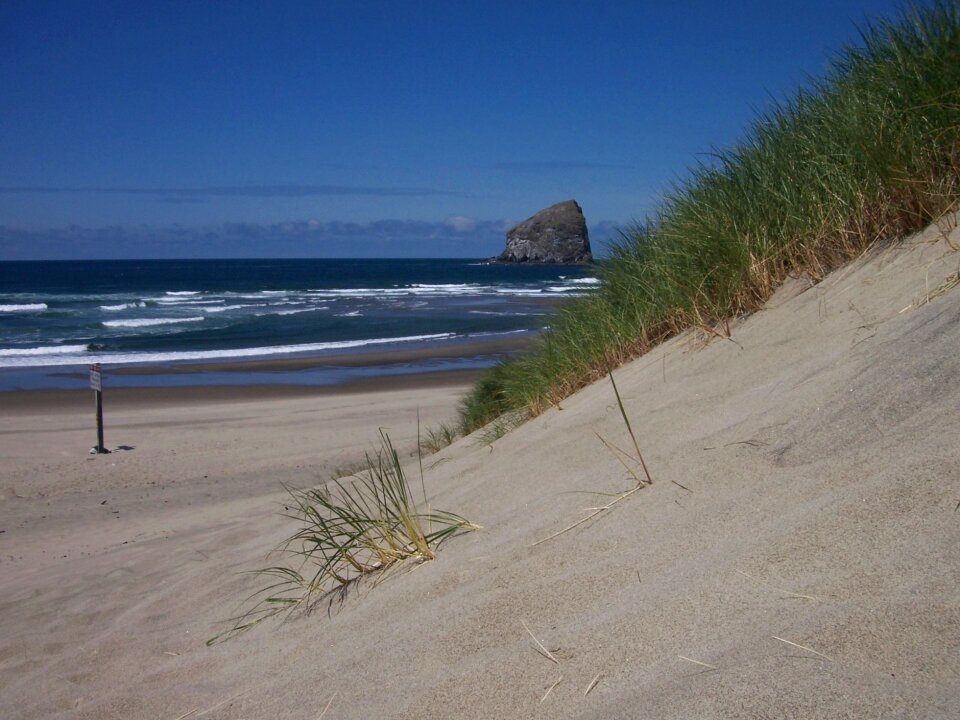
<point>556,235</point>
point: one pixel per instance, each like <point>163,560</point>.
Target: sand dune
<point>798,554</point>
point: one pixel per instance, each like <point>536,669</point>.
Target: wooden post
<point>97,385</point>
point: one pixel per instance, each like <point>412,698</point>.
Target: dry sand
<point>798,554</point>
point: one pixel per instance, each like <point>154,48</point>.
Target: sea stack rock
<point>555,236</point>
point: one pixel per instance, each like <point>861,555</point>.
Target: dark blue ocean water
<point>57,315</point>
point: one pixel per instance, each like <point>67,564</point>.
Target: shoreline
<point>430,365</point>
<point>455,350</point>
<point>69,401</point>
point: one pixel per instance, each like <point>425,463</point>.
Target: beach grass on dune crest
<point>870,152</point>
<point>349,529</point>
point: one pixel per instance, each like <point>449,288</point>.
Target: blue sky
<point>208,129</point>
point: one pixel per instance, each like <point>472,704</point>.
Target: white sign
<point>95,383</point>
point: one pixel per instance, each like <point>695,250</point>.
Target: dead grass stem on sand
<point>623,457</point>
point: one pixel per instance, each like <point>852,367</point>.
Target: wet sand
<point>33,402</point>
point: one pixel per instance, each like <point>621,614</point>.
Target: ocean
<point>58,317</point>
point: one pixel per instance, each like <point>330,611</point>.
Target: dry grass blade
<point>543,650</point>
<point>329,703</point>
<point>626,420</point>
<point>773,587</point>
<point>593,684</point>
<point>620,455</point>
<point>948,284</point>
<point>697,662</point>
<point>622,458</point>
<point>198,712</point>
<point>802,647</point>
<point>550,689</point>
<point>597,511</point>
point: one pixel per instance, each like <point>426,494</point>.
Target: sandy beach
<point>798,554</point>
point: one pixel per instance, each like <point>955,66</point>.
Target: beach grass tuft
<point>349,528</point>
<point>500,426</point>
<point>435,439</point>
<point>868,153</point>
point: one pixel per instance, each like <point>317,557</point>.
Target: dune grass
<point>349,528</point>
<point>435,439</point>
<point>870,152</point>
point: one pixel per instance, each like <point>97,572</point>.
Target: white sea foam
<point>449,290</point>
<point>29,307</point>
<point>181,301</point>
<point>355,313</point>
<point>122,306</point>
<point>428,290</point>
<point>265,295</point>
<point>503,314</point>
<point>298,311</point>
<point>182,293</point>
<point>575,286</point>
<point>149,322</point>
<point>496,333</point>
<point>567,289</point>
<point>39,351</point>
<point>444,286</point>
<point>46,359</point>
<point>224,308</point>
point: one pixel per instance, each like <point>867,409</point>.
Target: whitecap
<point>175,356</point>
<point>224,308</point>
<point>296,312</point>
<point>504,314</point>
<point>181,301</point>
<point>29,307</point>
<point>149,322</point>
<point>39,351</point>
<point>122,306</point>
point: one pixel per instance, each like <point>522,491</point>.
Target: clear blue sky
<point>372,128</point>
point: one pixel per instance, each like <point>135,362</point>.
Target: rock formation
<point>556,235</point>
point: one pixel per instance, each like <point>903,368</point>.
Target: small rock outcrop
<point>556,235</point>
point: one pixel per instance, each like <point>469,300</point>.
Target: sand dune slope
<point>798,554</point>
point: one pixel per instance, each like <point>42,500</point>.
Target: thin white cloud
<point>457,236</point>
<point>461,223</point>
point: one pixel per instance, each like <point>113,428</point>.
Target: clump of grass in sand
<point>435,439</point>
<point>500,426</point>
<point>867,153</point>
<point>351,528</point>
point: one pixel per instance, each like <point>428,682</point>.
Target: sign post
<point>96,385</point>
